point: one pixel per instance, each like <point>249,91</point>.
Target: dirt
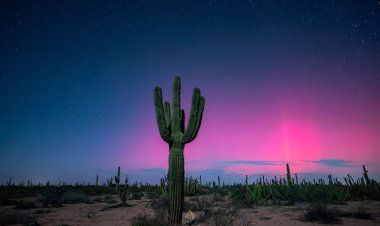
<point>101,213</point>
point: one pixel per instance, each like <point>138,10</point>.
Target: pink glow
<point>287,128</point>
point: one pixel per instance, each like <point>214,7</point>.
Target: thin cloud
<point>333,162</point>
<point>153,170</point>
<point>262,163</point>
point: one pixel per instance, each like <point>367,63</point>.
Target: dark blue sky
<point>76,83</point>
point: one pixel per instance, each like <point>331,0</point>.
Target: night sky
<point>284,81</point>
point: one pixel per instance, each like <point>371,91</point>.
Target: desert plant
<point>109,182</point>
<point>171,125</point>
<point>109,199</point>
<point>117,180</point>
<point>9,182</point>
<point>318,212</point>
<point>25,205</point>
<point>123,194</point>
<point>19,219</point>
<point>365,174</point>
<point>73,197</point>
<point>288,175</point>
<point>143,220</point>
<point>223,217</point>
<point>126,180</point>
<point>363,214</point>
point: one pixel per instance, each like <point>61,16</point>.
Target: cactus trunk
<point>117,180</point>
<point>176,184</point>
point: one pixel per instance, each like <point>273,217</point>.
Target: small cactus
<point>9,182</point>
<point>110,182</point>
<point>246,182</point>
<point>117,180</point>
<point>219,184</point>
<point>288,175</point>
<point>365,174</point>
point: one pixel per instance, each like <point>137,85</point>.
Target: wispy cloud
<point>333,162</point>
<point>235,162</point>
<point>157,170</point>
<point>244,162</point>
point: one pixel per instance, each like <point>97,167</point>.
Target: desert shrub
<point>154,194</point>
<point>320,195</point>
<point>362,214</point>
<point>160,203</point>
<point>223,217</point>
<point>205,191</point>
<point>4,201</point>
<point>72,197</point>
<point>123,195</point>
<point>135,195</point>
<point>203,218</point>
<point>223,192</point>
<point>144,220</point>
<point>109,199</point>
<point>219,217</point>
<point>42,211</point>
<point>25,205</point>
<point>220,198</point>
<point>97,199</point>
<point>193,198</point>
<point>18,219</point>
<point>199,203</point>
<point>318,212</point>
<point>51,199</point>
<point>239,199</point>
<point>191,205</point>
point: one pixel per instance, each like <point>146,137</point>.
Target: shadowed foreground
<point>74,207</point>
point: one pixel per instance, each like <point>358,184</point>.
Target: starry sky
<point>285,82</point>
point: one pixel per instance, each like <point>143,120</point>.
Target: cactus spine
<point>171,125</point>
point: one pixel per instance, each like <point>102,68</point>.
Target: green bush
<point>320,213</point>
<point>73,197</point>
<point>25,205</point>
<point>144,220</point>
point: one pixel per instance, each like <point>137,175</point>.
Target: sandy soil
<point>100,213</point>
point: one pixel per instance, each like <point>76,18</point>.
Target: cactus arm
<point>168,117</point>
<point>196,113</point>
<point>160,116</point>
<point>199,119</point>
<point>176,105</point>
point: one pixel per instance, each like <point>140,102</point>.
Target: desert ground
<point>106,209</point>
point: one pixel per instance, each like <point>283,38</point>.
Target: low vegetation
<point>218,202</point>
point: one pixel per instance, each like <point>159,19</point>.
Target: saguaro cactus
<point>117,180</point>
<point>288,175</point>
<point>171,125</point>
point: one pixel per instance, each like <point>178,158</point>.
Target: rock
<point>189,217</point>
